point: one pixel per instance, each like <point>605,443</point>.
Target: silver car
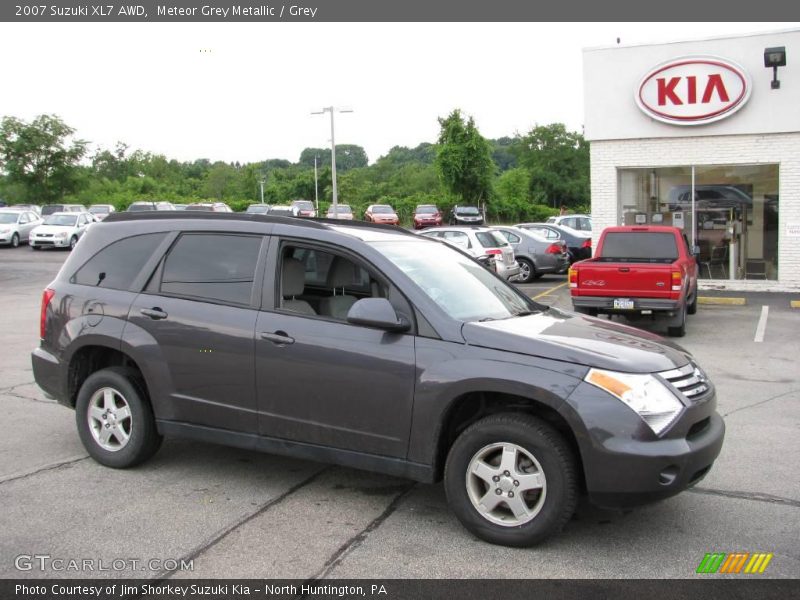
<point>60,230</point>
<point>16,226</point>
<point>480,242</point>
<point>535,254</point>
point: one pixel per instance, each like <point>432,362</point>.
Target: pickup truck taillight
<point>573,278</point>
<point>47,295</point>
<point>677,281</point>
<point>554,249</point>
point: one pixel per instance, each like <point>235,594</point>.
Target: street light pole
<point>332,109</point>
<point>262,191</point>
<point>316,186</point>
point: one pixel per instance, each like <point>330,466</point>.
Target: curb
<point>722,300</point>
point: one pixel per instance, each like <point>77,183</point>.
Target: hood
<point>52,229</point>
<point>578,339</point>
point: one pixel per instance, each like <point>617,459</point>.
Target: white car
<point>576,222</point>
<point>480,242</point>
<point>16,226</point>
<point>60,230</point>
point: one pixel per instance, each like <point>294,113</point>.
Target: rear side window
<point>634,246</point>
<point>118,264</point>
<point>214,267</point>
<point>490,239</point>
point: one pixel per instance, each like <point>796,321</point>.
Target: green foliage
<point>464,159</point>
<point>38,164</point>
<point>39,159</point>
<point>558,163</point>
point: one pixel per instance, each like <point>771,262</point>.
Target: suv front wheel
<point>114,418</point>
<point>511,479</point>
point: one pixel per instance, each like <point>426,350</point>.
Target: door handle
<point>279,338</point>
<point>154,313</point>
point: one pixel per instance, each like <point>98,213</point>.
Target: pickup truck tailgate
<point>628,279</point>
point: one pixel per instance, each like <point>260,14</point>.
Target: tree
<point>558,163</point>
<point>348,156</point>
<point>464,159</point>
<point>40,158</point>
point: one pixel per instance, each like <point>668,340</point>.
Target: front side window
<point>216,267</point>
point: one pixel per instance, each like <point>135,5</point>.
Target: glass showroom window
<point>735,210</point>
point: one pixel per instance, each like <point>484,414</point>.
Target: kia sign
<point>693,90</point>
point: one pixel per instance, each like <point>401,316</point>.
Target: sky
<point>245,91</point>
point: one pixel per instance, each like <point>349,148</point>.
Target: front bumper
<point>626,464</point>
<point>49,242</point>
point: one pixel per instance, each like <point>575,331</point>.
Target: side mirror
<point>378,313</point>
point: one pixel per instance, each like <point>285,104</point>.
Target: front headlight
<point>5,230</point>
<point>643,394</point>
<point>62,234</point>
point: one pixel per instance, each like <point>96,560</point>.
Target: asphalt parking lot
<point>239,514</point>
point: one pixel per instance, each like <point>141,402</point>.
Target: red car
<point>427,215</point>
<point>381,213</point>
<point>638,271</point>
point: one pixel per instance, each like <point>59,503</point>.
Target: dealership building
<point>703,135</point>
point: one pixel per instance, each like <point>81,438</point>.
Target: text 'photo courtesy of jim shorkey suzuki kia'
<point>207,325</point>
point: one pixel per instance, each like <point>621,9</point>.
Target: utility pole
<point>262,191</point>
<point>316,186</point>
<point>332,109</point>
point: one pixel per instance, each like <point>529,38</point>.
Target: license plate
<point>623,303</point>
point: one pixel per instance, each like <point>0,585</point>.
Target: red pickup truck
<point>645,270</point>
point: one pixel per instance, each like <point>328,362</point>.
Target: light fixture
<point>775,57</point>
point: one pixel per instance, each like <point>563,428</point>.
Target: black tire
<point>143,438</point>
<point>527,271</point>
<point>15,240</point>
<point>677,327</point>
<point>554,503</point>
<point>692,308</point>
<point>72,243</point>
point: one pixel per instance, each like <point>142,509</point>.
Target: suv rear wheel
<point>115,421</point>
<point>511,479</point>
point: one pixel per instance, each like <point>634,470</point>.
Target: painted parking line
<point>722,300</point>
<point>550,291</point>
<point>761,328</point>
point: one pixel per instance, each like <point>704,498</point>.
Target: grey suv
<point>367,346</point>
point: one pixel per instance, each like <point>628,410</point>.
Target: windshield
<point>303,204</point>
<point>463,288</point>
<point>258,208</point>
<point>6,218</point>
<point>467,210</point>
<point>98,210</point>
<point>140,207</point>
<point>342,208</point>
<point>383,209</point>
<point>426,210</point>
<point>61,220</point>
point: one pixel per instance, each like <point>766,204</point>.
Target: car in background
<point>427,215</point>
<point>101,211</point>
<point>576,222</point>
<point>479,242</point>
<point>579,243</point>
<point>343,212</point>
<point>209,207</point>
<point>535,255</point>
<point>31,207</point>
<point>49,209</point>
<point>381,213</point>
<point>145,205</point>
<point>257,209</point>
<point>305,208</point>
<point>466,215</point>
<point>16,225</point>
<point>60,230</point>
<point>283,211</point>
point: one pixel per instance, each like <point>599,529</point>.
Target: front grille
<point>45,235</point>
<point>689,380</point>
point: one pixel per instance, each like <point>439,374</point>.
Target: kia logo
<point>693,90</point>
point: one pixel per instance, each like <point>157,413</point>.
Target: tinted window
<point>382,209</point>
<point>51,208</point>
<point>639,246</point>
<point>490,239</point>
<point>513,238</point>
<point>118,264</point>
<point>212,266</point>
<point>467,210</point>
